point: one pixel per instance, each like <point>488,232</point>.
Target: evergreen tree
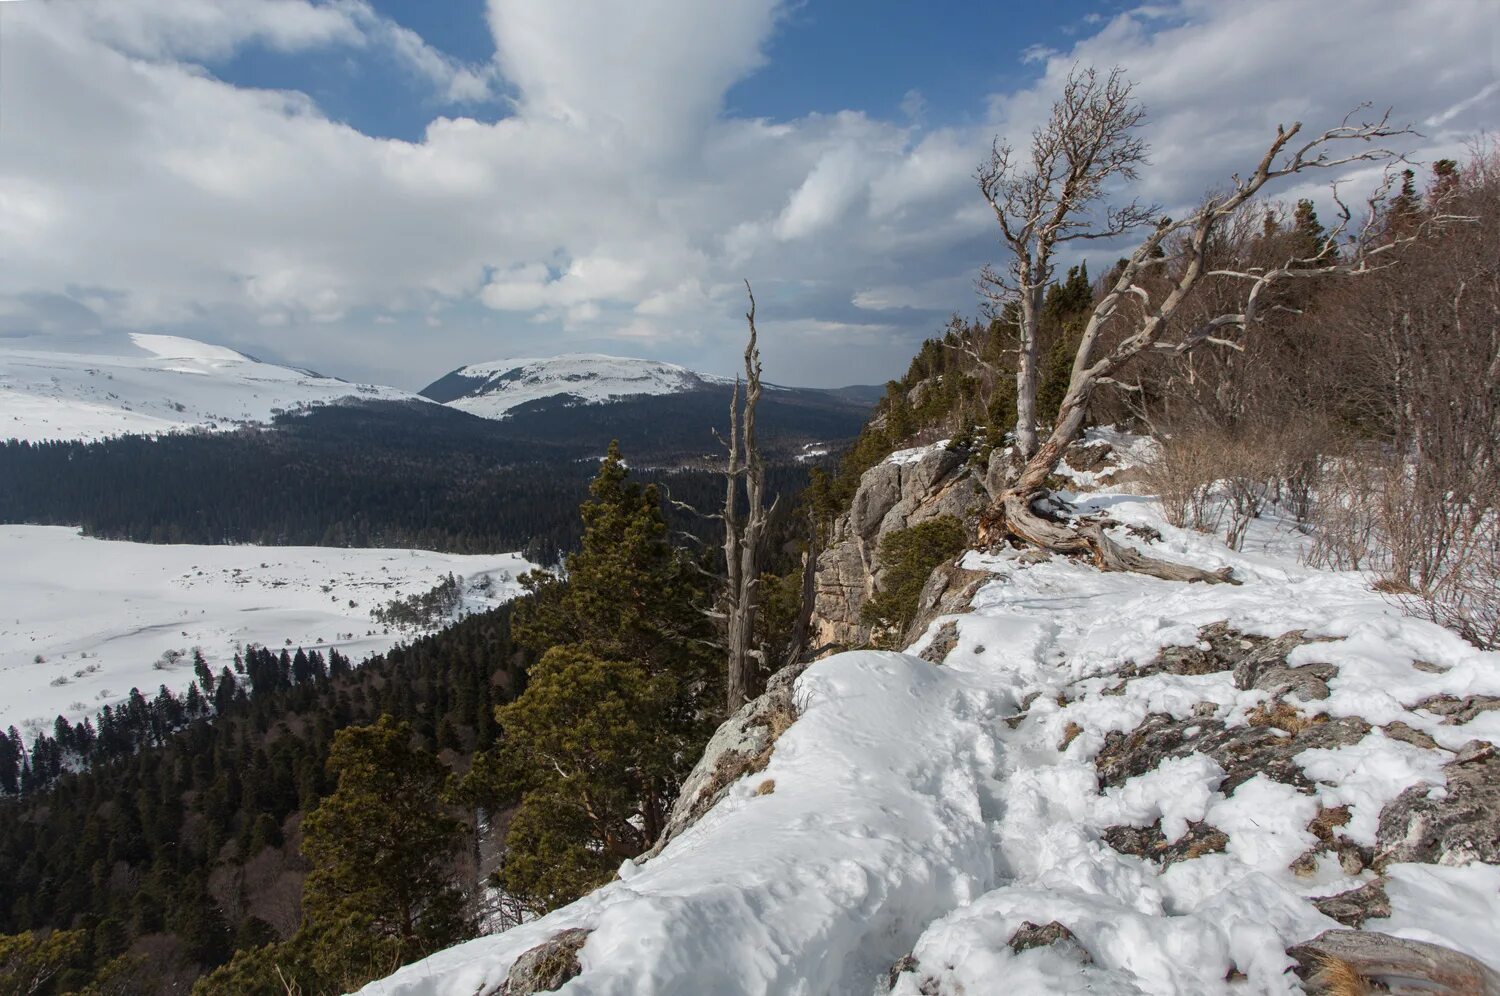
<point>381,846</point>
<point>616,711</point>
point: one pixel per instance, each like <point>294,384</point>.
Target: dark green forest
<point>167,831</point>
<point>378,474</point>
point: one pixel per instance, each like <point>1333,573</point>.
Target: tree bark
<point>744,538</point>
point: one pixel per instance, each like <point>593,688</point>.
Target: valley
<point>85,620</point>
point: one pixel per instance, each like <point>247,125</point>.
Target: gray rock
<point>948,590</point>
<point>941,644</point>
<point>1150,843</point>
<point>1030,935</point>
<point>1452,827</point>
<point>1242,752</point>
<point>1456,711</point>
<point>1353,908</point>
<point>547,966</point>
<point>741,745</point>
<point>1227,650</point>
<point>1407,734</point>
<point>1088,456</point>
<point>1308,682</point>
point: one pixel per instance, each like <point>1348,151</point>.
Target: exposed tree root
<point>1016,517</point>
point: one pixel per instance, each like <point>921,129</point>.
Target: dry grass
<point>1336,977</point>
<point>1282,716</point>
<point>766,787</point>
<point>1070,733</point>
<point>1327,820</point>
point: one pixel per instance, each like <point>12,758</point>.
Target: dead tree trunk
<point>1044,201</point>
<point>744,536</point>
<point>1129,317</point>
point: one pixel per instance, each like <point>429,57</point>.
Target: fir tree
<point>615,712</point>
<point>380,845</point>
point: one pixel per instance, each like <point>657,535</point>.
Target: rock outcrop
<point>547,966</point>
<point>896,494</point>
<point>1452,827</point>
<point>741,745</point>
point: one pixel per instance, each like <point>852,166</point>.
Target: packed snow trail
<point>908,816</point>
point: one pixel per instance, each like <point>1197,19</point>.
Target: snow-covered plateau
<point>492,389</point>
<point>82,621</point>
<point>926,807</point>
<point>154,384</point>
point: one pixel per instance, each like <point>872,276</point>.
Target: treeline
<point>385,475</point>
<point>167,833</point>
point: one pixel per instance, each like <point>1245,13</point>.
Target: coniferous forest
<point>234,838</point>
<point>380,474</point>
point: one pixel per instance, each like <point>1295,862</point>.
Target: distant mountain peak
<point>492,389</point>
<point>144,383</point>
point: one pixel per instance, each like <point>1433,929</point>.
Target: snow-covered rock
<point>492,389</point>
<point>150,384</point>
<point>923,814</point>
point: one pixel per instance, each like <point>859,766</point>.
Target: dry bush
<point>1210,479</point>
<point>1181,471</point>
<point>1415,350</point>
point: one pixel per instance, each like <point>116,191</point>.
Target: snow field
<point>933,809</point>
<point>160,384</point>
<point>100,614</point>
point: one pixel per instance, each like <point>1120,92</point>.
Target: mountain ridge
<point>156,384</point>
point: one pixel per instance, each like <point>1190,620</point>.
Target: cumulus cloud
<point>616,204</point>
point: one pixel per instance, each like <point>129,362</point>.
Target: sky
<point>387,189</point>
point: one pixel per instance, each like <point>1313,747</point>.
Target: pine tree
<point>381,845</point>
<point>616,711</point>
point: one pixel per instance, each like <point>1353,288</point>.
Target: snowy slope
<point>101,613</point>
<point>152,384</point>
<point>492,389</point>
<point>928,810</point>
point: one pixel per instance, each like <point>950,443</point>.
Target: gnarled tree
<point>1145,306</point>
<point>1046,199</point>
<point>744,535</point>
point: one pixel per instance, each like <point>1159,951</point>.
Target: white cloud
<point>618,201</point>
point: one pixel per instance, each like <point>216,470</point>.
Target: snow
<point>101,613</point>
<point>583,378</point>
<point>153,384</point>
<point>916,453</point>
<point>931,809</point>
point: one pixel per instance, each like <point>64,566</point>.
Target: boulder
<point>1454,826</point>
<point>1353,908</point>
<point>547,966</point>
<point>1150,843</point>
<point>1030,935</point>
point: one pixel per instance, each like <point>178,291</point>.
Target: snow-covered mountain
<point>493,389</point>
<point>152,384</point>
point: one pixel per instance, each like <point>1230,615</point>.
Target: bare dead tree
<point>1136,316</point>
<point>1047,200</point>
<point>744,536</point>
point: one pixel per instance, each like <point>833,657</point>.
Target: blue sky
<point>387,189</point>
<point>885,57</point>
